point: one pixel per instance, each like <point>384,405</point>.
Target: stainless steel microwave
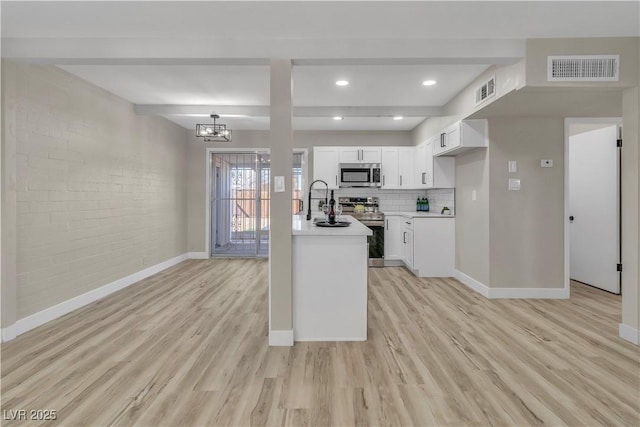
<point>360,175</point>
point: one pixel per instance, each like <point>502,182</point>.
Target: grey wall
<point>280,244</point>
<point>539,49</point>
<point>630,208</point>
<point>527,226</point>
<point>524,236</point>
<point>472,217</point>
<point>100,191</point>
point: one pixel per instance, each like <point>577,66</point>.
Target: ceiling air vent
<point>486,90</point>
<point>583,68</point>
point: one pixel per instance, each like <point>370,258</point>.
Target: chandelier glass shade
<point>216,132</point>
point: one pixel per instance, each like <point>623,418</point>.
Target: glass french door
<point>240,202</point>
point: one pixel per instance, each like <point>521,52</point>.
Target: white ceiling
<point>215,54</point>
<point>314,86</point>
<point>174,84</point>
<point>319,19</point>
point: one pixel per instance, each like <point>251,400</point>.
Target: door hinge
<point>619,142</point>
<point>619,267</point>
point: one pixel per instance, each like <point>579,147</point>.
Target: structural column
<point>630,325</point>
<point>8,204</point>
<point>281,145</point>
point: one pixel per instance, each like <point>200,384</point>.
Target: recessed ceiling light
<point>338,118</point>
<point>428,82</point>
<point>342,83</point>
<point>398,117</point>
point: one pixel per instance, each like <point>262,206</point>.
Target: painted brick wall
<point>101,192</point>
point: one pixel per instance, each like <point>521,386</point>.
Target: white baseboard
<point>472,283</point>
<point>8,333</point>
<point>30,322</point>
<point>282,338</point>
<point>197,255</point>
<point>331,339</point>
<point>512,293</point>
<point>529,293</point>
<point>630,334</point>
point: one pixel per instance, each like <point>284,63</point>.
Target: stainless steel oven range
<point>365,210</point>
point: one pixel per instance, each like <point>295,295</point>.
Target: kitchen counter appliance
<point>360,175</point>
<point>365,210</point>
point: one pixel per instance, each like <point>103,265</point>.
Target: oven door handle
<point>372,223</point>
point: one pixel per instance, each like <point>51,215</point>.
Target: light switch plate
<point>546,163</point>
<point>514,184</point>
<point>474,195</point>
<point>513,166</point>
<point>278,184</point>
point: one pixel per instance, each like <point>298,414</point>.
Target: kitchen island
<point>329,281</point>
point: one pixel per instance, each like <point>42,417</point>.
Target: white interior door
<point>594,207</point>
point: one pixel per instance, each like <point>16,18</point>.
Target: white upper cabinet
<point>402,168</point>
<point>462,136</point>
<point>389,165</point>
<point>430,171</point>
<point>371,154</point>
<point>360,154</point>
<point>421,165</point>
<point>326,164</point>
<point>406,167</point>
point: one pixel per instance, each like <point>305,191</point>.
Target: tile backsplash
<point>398,200</point>
<point>441,197</point>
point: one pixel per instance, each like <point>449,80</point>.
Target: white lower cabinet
<point>426,245</point>
<point>407,242</point>
<point>433,247</point>
<point>393,237</point>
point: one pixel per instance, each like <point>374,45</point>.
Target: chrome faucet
<point>326,196</point>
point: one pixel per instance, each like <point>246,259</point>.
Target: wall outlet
<point>546,163</point>
<point>514,185</point>
<point>513,166</point>
<point>278,184</point>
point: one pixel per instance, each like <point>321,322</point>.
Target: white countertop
<point>302,227</point>
<point>419,214</point>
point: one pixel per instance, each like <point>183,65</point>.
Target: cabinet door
<point>389,165</point>
<point>326,164</point>
<point>370,154</point>
<point>434,242</point>
<point>350,155</point>
<point>439,143</point>
<point>452,137</point>
<point>447,139</point>
<point>420,166</point>
<point>393,237</point>
<point>407,247</point>
<point>406,167</point>
<point>429,171</point>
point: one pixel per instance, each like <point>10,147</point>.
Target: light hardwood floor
<point>189,347</point>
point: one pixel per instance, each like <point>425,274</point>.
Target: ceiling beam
<point>201,110</point>
<point>378,111</point>
<point>300,111</point>
<point>257,51</point>
<point>471,60</point>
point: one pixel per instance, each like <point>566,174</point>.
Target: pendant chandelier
<point>216,132</point>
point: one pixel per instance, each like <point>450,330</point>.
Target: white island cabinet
<point>329,281</point>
